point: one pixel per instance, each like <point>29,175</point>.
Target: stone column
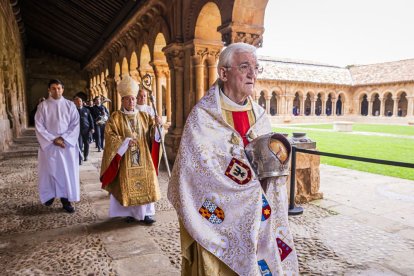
<point>370,106</point>
<point>323,111</point>
<point>158,89</point>
<point>410,107</point>
<point>357,107</point>
<point>382,108</point>
<point>199,76</point>
<point>333,100</point>
<point>212,71</point>
<point>395,107</point>
<point>111,88</point>
<point>168,95</point>
<point>313,106</point>
<point>213,55</point>
<point>302,106</point>
<point>267,105</point>
<point>289,105</point>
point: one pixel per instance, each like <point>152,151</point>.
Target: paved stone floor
<point>363,226</point>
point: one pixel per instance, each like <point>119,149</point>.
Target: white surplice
<point>58,167</point>
<point>146,108</point>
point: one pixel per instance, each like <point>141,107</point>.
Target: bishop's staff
<point>146,82</point>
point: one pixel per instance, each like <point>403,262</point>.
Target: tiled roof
<point>313,72</point>
<point>303,71</point>
<point>395,71</point>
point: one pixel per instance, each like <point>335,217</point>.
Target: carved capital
<point>233,33</point>
<point>175,55</point>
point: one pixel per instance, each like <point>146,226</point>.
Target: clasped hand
<point>59,142</point>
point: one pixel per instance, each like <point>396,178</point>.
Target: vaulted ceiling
<point>75,29</point>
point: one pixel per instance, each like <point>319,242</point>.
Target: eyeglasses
<point>245,68</point>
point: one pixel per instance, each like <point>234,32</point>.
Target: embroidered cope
<point>219,199</point>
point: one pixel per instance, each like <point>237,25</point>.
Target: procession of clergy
<point>232,214</point>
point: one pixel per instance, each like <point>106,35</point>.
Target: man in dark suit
<point>100,115</point>
<point>86,125</point>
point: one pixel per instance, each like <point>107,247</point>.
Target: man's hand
<point>158,120</point>
<point>132,143</point>
<point>59,142</point>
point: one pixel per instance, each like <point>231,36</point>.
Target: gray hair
<point>226,55</point>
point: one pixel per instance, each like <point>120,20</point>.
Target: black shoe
<point>85,159</point>
<point>49,202</point>
<point>80,161</point>
<point>99,150</point>
<point>66,205</point>
<point>129,219</point>
<point>68,208</point>
<point>148,220</point>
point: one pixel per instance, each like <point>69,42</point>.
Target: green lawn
<point>377,147</point>
<point>390,129</point>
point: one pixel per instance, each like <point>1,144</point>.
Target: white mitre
<point>127,87</point>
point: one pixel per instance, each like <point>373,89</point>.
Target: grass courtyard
<point>363,145</point>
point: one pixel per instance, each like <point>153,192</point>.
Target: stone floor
<point>363,226</point>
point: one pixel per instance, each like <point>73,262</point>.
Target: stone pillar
<point>395,107</point>
<point>382,108</point>
<point>168,96</point>
<point>158,89</point>
<point>410,107</point>
<point>370,106</point>
<point>357,107</point>
<point>213,55</point>
<point>267,105</point>
<point>289,105</point>
<point>302,106</point>
<point>323,111</point>
<point>175,57</point>
<point>282,106</point>
<point>212,71</point>
<point>111,88</point>
<point>333,100</point>
<point>313,105</point>
<point>199,76</point>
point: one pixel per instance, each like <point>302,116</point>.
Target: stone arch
<point>145,60</point>
<point>402,104</point>
<point>208,18</point>
<point>308,103</point>
<point>376,104</point>
<point>133,65</point>
<point>195,10</point>
<point>273,104</point>
<point>251,12</point>
<point>364,104</point>
<point>262,99</point>
<point>124,67</point>
<point>163,99</point>
<point>339,108</point>
<point>117,72</point>
<point>297,100</point>
<point>318,104</point>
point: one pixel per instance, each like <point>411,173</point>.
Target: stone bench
<point>343,126</point>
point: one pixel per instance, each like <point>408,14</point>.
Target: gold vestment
<point>136,182</point>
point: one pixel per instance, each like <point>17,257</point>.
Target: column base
<point>172,143</point>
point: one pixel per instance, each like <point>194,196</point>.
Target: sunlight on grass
<point>389,129</point>
<point>377,147</point>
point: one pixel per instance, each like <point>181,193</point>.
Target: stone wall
<point>13,109</point>
<point>42,66</point>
